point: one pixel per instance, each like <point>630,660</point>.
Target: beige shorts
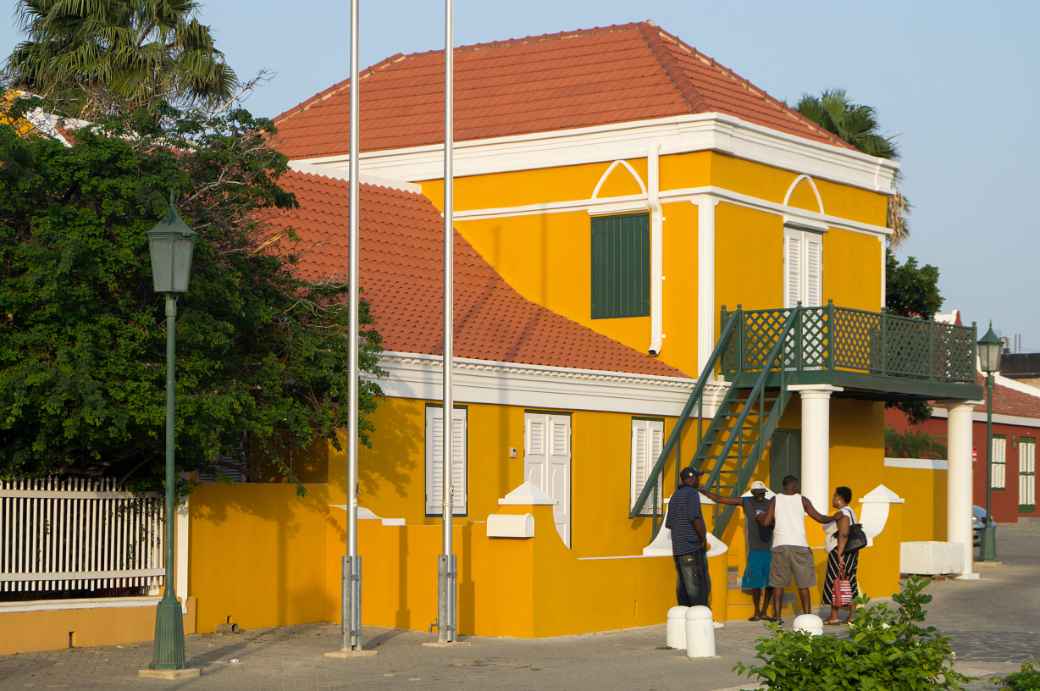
<point>790,562</point>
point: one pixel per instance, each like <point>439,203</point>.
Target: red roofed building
<point>639,231</point>
<point>1016,429</point>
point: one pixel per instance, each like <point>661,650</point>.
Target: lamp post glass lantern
<point>990,348</point>
<point>170,244</point>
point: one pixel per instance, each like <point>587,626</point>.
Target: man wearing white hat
<point>759,544</point>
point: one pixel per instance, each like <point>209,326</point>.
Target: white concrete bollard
<point>675,635</point>
<point>700,632</point>
<point>809,623</point>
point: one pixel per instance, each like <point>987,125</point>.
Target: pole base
<point>970,576</point>
<point>169,674</point>
<point>350,653</point>
<point>989,543</point>
<point>446,644</point>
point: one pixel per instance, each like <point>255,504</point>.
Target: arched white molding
<point>610,169</point>
<point>812,184</point>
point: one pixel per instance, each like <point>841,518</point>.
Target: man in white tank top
<point>792,558</point>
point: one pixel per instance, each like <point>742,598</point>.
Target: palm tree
<point>857,124</point>
<point>94,57</point>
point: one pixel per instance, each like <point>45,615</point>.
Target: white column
<point>656,249</point>
<point>182,545</point>
<point>959,482</point>
<point>816,442</point>
<point>706,308</point>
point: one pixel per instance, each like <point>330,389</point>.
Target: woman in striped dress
<point>837,534</point>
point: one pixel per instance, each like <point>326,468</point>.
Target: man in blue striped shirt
<point>689,541</point>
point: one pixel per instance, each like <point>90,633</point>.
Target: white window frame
<point>1027,477</point>
<point>999,479</point>
<point>460,462</point>
<point>647,442</point>
<point>807,286</point>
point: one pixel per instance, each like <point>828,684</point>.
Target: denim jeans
<point>693,586</point>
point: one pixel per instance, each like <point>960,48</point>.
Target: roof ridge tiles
<point>746,83</point>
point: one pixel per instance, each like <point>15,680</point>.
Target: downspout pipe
<point>656,249</point>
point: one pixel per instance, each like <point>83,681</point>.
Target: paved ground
<point>993,623</point>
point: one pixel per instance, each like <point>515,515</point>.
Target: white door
<point>547,464</point>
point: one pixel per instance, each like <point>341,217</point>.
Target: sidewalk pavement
<point>992,623</point>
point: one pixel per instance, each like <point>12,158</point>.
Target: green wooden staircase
<point>729,449</point>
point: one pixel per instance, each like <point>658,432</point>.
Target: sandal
<point>834,622</point>
<point>754,617</point>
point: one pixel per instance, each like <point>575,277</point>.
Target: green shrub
<point>911,444</point>
<point>1026,679</point>
<point>886,649</point>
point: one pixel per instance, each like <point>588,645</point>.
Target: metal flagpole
<point>446,566</point>
<point>352,562</point>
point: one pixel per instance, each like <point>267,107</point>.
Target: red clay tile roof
<point>401,277</point>
<point>536,84</point>
<point>1008,401</point>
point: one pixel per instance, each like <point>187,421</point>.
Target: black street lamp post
<point>989,361</point>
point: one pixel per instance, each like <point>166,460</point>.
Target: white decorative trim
<point>917,463</point>
<point>343,174</point>
<point>617,141</point>
<point>1016,385</point>
<point>85,603</point>
<point>705,277</point>
<point>365,514</point>
<point>815,388</point>
<point>182,542</point>
<point>626,207</point>
<point>661,545</point>
<point>418,376</point>
<point>884,272</point>
<point>980,416</point>
<point>610,169</point>
<point>656,250</point>
<point>796,223</point>
<point>812,184</point>
<point>527,494</point>
<point>809,219</point>
<point>881,495</point>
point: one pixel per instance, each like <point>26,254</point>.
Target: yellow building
<point>658,264</point>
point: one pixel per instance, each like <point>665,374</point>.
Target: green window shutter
<point>620,266</point>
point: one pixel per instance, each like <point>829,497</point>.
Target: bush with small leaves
<point>886,649</point>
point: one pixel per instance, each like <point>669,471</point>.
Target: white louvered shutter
<point>434,454</point>
<point>999,462</point>
<point>813,270</point>
<point>647,441</point>
<point>560,474</point>
<point>1027,472</point>
<point>792,267</point>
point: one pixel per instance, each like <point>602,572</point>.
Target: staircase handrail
<point>695,396</point>
<point>756,390</point>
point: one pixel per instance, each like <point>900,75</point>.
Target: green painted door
<point>785,456</point>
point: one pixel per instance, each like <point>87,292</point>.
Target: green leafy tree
<point>91,58</point>
<point>262,354</point>
<point>911,290</point>
<point>886,649</point>
<point>857,124</point>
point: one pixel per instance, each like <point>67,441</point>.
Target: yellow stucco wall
<point>392,471</point>
<point>925,495</point>
<point>104,624</point>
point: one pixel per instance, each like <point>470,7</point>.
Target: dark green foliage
<point>911,290</point>
<point>886,649</point>
<point>912,444</point>
<point>856,123</point>
<point>1026,679</point>
<point>92,58</point>
<point>261,355</point>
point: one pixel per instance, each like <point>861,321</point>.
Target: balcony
<point>869,354</point>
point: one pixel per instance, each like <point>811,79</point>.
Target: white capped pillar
<point>816,442</point>
<point>706,308</point>
<point>959,482</point>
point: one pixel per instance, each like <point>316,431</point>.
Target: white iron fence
<point>78,535</point>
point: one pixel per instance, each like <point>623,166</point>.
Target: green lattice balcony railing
<point>839,339</point>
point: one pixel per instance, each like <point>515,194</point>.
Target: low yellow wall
<point>925,495</point>
<point>58,629</point>
<point>257,555</point>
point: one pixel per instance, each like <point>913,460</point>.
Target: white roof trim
<point>526,494</point>
<point>675,134</point>
<point>418,376</point>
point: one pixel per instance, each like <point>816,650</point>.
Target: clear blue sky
<point>957,82</point>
